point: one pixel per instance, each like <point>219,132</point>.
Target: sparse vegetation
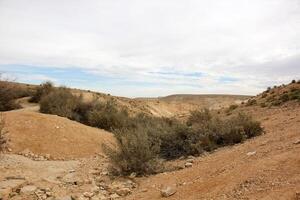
<point>144,140</point>
<point>43,90</point>
<point>8,96</point>
<point>138,152</point>
<point>251,102</point>
<point>148,139</point>
<point>60,102</point>
<point>2,137</point>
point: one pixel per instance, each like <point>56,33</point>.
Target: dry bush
<point>137,151</point>
<point>60,102</point>
<point>107,116</point>
<point>2,135</point>
<point>147,139</point>
<point>42,90</point>
<point>7,97</point>
<point>251,102</point>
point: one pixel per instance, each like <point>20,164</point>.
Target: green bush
<point>42,90</point>
<point>60,102</point>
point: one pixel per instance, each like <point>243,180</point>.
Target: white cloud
<point>129,38</point>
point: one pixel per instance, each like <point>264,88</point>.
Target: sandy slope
<point>50,134</point>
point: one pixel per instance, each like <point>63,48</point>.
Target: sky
<point>142,48</point>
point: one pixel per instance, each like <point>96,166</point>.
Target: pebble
<point>168,191</point>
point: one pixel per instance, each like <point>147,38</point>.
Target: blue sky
<point>152,48</point>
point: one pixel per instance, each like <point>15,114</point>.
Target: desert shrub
<point>137,152</point>
<point>60,102</point>
<point>7,97</point>
<point>263,105</point>
<point>293,81</point>
<point>264,95</point>
<point>231,108</point>
<point>145,139</point>
<point>251,102</point>
<point>250,127</point>
<point>284,98</point>
<point>42,90</point>
<point>294,94</point>
<point>199,117</point>
<point>107,116</point>
<point>2,137</point>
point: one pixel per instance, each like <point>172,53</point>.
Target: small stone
<point>188,164</point>
<point>65,198</point>
<point>132,175</point>
<point>191,157</point>
<point>114,196</point>
<point>105,173</point>
<point>297,142</point>
<point>9,149</point>
<point>28,189</point>
<point>190,160</point>
<point>88,194</point>
<point>168,191</point>
<point>251,153</point>
<point>123,191</point>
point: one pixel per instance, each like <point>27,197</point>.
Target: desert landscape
<point>47,156</point>
<point>150,100</point>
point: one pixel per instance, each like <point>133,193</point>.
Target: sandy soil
<point>49,134</point>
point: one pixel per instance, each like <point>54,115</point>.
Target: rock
<point>168,191</point>
<point>94,172</point>
<point>190,160</point>
<point>114,196</point>
<point>104,173</point>
<point>297,196</point>
<point>99,197</point>
<point>88,194</point>
<point>132,175</point>
<point>251,153</point>
<point>95,189</point>
<point>47,156</point>
<point>123,191</point>
<point>188,164</point>
<point>65,198</point>
<point>297,142</point>
<point>28,189</point>
<point>191,157</point>
<point>9,149</point>
<point>7,186</point>
<point>72,179</point>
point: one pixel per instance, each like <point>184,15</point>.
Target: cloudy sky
<point>152,47</point>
